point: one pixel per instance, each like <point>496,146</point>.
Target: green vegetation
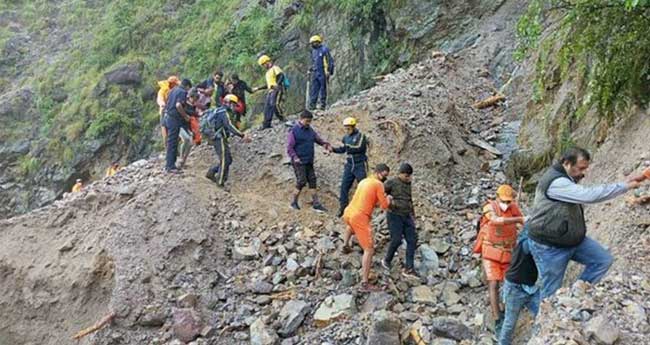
<point>28,165</point>
<point>603,45</point>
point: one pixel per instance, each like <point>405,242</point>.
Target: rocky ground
<point>178,260</point>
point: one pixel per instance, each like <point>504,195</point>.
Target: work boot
<point>410,273</point>
<point>319,208</point>
<point>210,176</point>
<point>295,206</point>
<point>385,265</point>
<point>174,171</point>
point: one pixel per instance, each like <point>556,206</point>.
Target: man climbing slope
<point>496,239</point>
<point>175,117</point>
<point>300,148</point>
<point>322,68</point>
<point>217,124</point>
<point>213,86</point>
<point>557,227</point>
<point>275,85</point>
<point>357,216</point>
<point>355,145</point>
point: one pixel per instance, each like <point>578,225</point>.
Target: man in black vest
<point>557,226</point>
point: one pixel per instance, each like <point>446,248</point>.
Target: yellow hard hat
<point>263,60</point>
<point>315,38</point>
<point>350,121</point>
<point>505,192</point>
<point>231,98</point>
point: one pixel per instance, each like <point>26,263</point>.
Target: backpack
<point>286,83</point>
<point>207,123</point>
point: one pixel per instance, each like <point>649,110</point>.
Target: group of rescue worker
<point>524,258</point>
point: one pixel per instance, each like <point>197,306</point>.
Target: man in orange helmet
<point>496,239</point>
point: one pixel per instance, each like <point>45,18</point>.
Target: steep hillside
<point>79,77</point>
<point>170,255</point>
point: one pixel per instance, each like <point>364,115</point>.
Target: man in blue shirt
<point>557,228</point>
<point>322,68</point>
<point>175,118</point>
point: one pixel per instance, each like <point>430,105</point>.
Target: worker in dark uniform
<point>355,145</point>
<point>322,68</point>
<point>219,119</point>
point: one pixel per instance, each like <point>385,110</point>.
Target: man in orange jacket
<point>496,240</point>
<point>358,214</point>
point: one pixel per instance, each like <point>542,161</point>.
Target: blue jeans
<point>401,227</point>
<point>552,263</point>
<point>352,171</point>
<point>173,124</point>
<point>515,299</point>
<point>318,88</point>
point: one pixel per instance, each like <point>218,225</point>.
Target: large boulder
<point>261,335</point>
<point>385,329</point>
<point>186,324</point>
<point>334,308</point>
<point>450,328</point>
<point>291,316</point>
<point>128,74</point>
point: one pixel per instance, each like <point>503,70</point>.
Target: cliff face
<point>78,79</point>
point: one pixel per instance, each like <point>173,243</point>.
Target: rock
<point>324,244</point>
<point>333,308</point>
<point>602,330</point>
<point>129,74</point>
<point>485,146</point>
<point>244,253</point>
<point>415,93</point>
<point>439,245</point>
<point>188,300</point>
<point>291,316</point>
<point>449,293</point>
<point>377,301</point>
<point>385,329</point>
<point>261,287</point>
<point>423,294</point>
<point>637,312</point>
<point>349,278</point>
<point>429,258</point>
<point>208,332</point>
<point>260,334</point>
<point>450,328</point>
<point>186,324</point>
<point>152,316</point>
<point>68,246</point>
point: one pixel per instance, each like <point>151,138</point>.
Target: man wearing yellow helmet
<point>355,146</point>
<point>322,67</point>
<point>217,125</point>
<point>275,86</point>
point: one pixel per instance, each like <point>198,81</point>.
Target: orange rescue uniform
<point>357,215</point>
<point>496,240</point>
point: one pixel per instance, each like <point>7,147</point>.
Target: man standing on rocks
<point>214,86</point>
<point>358,214</point>
<point>219,120</point>
<point>300,148</point>
<point>175,117</point>
<point>497,237</point>
<point>401,220</point>
<point>557,227</point>
<point>322,68</point>
<point>275,83</point>
<point>355,146</point>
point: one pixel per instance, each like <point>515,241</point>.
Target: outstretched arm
<point>563,189</point>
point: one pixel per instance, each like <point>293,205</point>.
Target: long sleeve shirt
<point>355,145</point>
<point>292,150</point>
<point>564,189</point>
<point>224,126</point>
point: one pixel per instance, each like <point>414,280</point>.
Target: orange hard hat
<point>505,192</point>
